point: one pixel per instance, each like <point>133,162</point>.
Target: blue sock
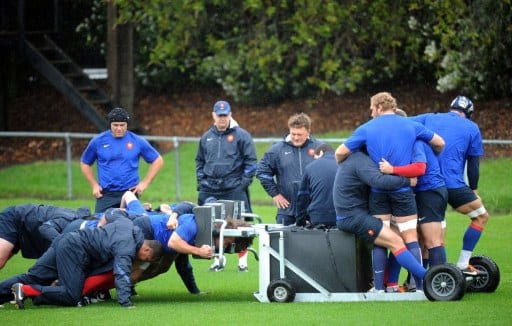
<point>408,261</point>
<point>471,237</point>
<point>379,261</point>
<point>393,270</point>
<point>414,248</point>
<point>437,256</point>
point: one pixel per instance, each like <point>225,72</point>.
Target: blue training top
<point>118,159</point>
<point>432,178</point>
<point>462,139</point>
<point>187,227</point>
<point>391,137</point>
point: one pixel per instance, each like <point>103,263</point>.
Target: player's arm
<point>177,244</point>
<point>412,170</point>
<point>437,143</point>
<point>473,172</point>
<point>341,153</point>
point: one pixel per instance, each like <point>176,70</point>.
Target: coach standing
<point>117,152</point>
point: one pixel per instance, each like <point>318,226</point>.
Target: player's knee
<point>407,225</point>
<point>432,242</point>
<point>480,212</point>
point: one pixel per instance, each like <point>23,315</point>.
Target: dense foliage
<point>265,51</point>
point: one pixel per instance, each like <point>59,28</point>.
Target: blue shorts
<point>366,227</point>
<point>396,203</point>
<point>460,196</point>
<point>431,205</point>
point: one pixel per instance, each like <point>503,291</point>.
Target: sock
<point>437,255</point>
<point>471,237</point>
<point>393,271</point>
<point>29,291</point>
<point>464,259</point>
<point>411,283</point>
<point>215,261</point>
<point>100,282</point>
<point>379,261</point>
<point>414,248</point>
<point>409,262</point>
<point>242,259</point>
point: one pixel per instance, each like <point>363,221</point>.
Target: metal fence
<point>175,140</point>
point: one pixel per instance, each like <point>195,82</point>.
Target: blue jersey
<point>187,229</point>
<point>118,159</point>
<point>462,139</point>
<point>432,178</point>
<point>391,137</point>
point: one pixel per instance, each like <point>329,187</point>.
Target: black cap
<point>118,115</point>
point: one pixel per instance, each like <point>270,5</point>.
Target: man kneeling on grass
<point>71,257</point>
<point>176,230</point>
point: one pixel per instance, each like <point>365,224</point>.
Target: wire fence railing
<point>68,138</point>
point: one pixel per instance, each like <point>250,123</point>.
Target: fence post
<point>176,144</point>
<point>69,165</point>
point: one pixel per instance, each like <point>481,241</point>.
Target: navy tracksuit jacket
<point>72,256</point>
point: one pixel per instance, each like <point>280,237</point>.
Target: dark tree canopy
<point>262,52</point>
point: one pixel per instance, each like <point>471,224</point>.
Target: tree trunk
<point>120,63</point>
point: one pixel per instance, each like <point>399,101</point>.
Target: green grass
<point>164,300</point>
<point>48,180</point>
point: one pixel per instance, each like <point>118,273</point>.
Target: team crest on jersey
<point>311,152</point>
<point>129,145</point>
<point>230,138</point>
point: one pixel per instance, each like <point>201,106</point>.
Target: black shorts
<point>431,205</point>
<point>366,227</point>
<point>396,203</point>
<point>460,196</point>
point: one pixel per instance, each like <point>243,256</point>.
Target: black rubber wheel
<point>280,291</point>
<point>444,283</point>
<point>488,282</point>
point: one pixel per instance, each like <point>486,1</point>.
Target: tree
<point>471,46</point>
<point>267,51</point>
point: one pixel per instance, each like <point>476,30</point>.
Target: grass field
<point>165,301</point>
<point>48,180</point>
<point>230,300</point>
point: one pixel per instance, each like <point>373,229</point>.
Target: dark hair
<point>118,115</point>
<point>241,243</point>
<point>157,249</point>
<point>323,148</point>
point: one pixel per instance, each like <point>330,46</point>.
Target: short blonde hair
<point>299,120</point>
<point>384,99</point>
